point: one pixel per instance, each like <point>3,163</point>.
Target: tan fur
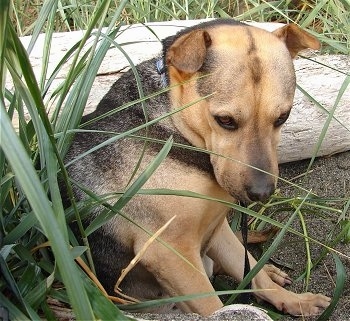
<point>262,98</point>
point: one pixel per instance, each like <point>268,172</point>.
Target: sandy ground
<point>330,177</point>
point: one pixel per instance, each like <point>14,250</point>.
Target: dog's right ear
<point>188,52</point>
<point>296,39</point>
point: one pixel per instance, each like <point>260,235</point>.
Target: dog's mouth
<point>246,199</point>
<point>260,192</point>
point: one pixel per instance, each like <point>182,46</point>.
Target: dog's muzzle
<point>260,193</point>
<point>261,188</point>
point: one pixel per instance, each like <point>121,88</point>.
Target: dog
<point>227,88</point>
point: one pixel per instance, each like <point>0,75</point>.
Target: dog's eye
<point>281,119</point>
<point>226,122</point>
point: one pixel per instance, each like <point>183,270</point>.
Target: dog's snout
<point>261,190</point>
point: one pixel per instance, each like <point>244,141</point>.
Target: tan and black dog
<point>243,80</point>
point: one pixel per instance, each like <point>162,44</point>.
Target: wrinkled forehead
<point>242,56</point>
<point>249,39</point>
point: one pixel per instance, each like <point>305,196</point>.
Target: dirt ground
<point>330,177</point>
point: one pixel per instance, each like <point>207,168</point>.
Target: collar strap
<point>161,69</point>
<point>245,297</point>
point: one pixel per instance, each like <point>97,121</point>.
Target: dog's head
<point>246,78</point>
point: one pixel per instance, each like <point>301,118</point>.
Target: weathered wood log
<point>321,77</point>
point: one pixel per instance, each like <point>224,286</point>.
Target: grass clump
<point>32,210</point>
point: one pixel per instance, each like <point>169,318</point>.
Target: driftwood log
<point>321,76</point>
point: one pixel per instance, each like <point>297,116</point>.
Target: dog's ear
<point>188,52</point>
<point>296,39</point>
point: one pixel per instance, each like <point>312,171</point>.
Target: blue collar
<point>161,69</point>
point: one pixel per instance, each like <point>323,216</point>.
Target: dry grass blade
<point>139,255</point>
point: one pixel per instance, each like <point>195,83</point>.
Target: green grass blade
<point>103,308</point>
<point>4,11</point>
<point>133,189</point>
<point>47,46</point>
<point>15,313</point>
<point>47,8</point>
<point>136,129</point>
<point>72,112</point>
<point>330,117</point>
<point>339,288</point>
<point>16,290</point>
<point>160,302</point>
<point>313,14</point>
<point>65,123</point>
<point>76,101</point>
<point>27,222</point>
<point>344,211</point>
<point>31,185</point>
<point>44,130</point>
<point>307,250</point>
<point>321,107</point>
<point>263,260</point>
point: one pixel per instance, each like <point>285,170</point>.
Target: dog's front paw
<point>277,275</point>
<point>305,304</point>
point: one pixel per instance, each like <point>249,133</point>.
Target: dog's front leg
<point>180,276</point>
<point>228,252</point>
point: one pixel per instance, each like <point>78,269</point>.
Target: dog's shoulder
<point>126,110</point>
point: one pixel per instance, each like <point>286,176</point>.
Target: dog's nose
<point>260,191</point>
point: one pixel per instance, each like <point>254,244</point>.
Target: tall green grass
<point>31,157</point>
<point>32,209</point>
<point>328,18</point>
